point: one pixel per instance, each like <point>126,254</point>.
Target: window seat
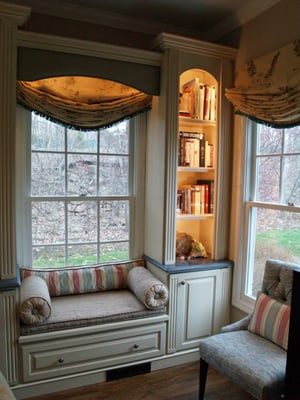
<point>90,319</point>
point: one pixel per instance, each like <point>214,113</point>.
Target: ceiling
<point>204,19</point>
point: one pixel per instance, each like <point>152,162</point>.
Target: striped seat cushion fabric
<point>76,280</point>
<point>271,320</point>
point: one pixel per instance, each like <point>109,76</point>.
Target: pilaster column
<point>172,82</point>
<point>11,16</point>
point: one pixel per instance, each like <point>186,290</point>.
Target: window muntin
<point>273,213</point>
<point>81,199</point>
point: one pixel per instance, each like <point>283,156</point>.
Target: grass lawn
<point>288,239</point>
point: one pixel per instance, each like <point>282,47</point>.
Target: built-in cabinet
<point>199,301</point>
<point>202,301</point>
<point>211,66</point>
<point>192,108</point>
<point>61,353</point>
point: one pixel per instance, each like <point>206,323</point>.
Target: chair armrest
<point>242,324</point>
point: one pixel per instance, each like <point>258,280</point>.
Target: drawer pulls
<point>62,360</point>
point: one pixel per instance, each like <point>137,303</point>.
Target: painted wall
<point>270,31</point>
<point>51,25</point>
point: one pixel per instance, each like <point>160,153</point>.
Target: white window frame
<point>136,195</point>
<point>243,202</point>
<point>240,192</point>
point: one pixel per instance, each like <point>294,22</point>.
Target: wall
<point>270,31</point>
<point>50,25</point>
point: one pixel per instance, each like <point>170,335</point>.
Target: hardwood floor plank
<point>177,383</point>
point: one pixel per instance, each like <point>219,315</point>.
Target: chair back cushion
<point>278,280</point>
<point>271,320</point>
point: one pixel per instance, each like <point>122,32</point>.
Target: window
<point>272,206</point>
<point>81,206</point>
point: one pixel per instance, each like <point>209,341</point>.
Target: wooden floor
<point>177,383</point>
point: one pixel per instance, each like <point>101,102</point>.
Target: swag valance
<point>82,102</point>
<point>267,89</point>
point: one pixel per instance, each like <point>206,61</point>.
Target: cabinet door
<point>199,306</point>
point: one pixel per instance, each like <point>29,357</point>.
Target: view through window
<point>273,209</point>
<point>80,197</point>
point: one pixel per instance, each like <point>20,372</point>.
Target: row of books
<point>196,199</point>
<point>194,151</point>
<point>198,101</point>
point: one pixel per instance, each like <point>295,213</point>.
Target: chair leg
<point>202,378</point>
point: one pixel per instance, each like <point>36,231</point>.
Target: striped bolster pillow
<point>64,281</point>
<point>271,320</point>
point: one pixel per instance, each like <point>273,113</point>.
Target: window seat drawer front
<point>72,355</point>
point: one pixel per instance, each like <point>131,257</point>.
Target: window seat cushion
<point>75,311</point>
<point>147,288</point>
<point>85,279</point>
<point>35,302</point>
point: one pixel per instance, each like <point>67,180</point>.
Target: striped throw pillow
<point>271,320</point>
<point>76,280</point>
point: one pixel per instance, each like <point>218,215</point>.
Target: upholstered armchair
<point>253,352</point>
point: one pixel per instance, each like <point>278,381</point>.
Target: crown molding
<point>15,13</point>
<point>166,40</point>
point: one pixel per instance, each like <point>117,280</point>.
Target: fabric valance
<point>82,102</point>
<point>267,89</point>
<point>35,64</point>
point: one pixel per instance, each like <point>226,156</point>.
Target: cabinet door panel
<point>200,307</point>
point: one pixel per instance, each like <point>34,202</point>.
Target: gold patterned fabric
<point>267,89</point>
<point>82,102</point>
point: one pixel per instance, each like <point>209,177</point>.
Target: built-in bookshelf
<point>197,124</point>
<point>184,60</point>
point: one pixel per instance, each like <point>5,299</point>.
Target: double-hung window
<point>81,196</point>
<point>272,201</point>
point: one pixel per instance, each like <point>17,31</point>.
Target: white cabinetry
<point>185,59</point>
<point>199,303</point>
<point>199,306</point>
<point>101,347</point>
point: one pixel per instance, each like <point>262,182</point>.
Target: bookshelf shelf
<point>195,169</point>
<point>193,121</point>
<point>191,217</point>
